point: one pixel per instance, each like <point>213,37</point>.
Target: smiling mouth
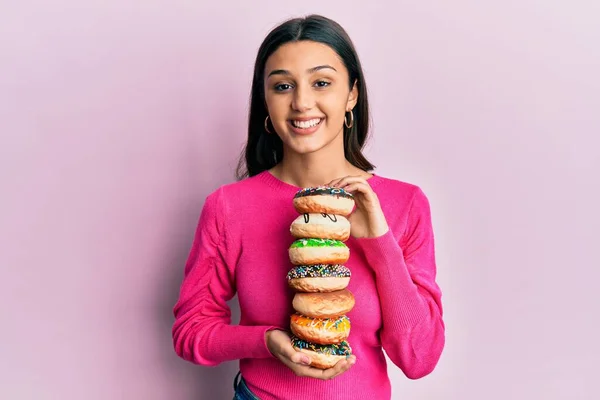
<point>306,124</point>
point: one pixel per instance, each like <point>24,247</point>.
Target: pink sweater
<point>241,245</point>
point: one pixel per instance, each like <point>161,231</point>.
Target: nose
<point>303,99</point>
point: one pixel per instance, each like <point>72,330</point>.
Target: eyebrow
<point>310,70</point>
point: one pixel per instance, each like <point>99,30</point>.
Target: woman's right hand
<point>280,345</point>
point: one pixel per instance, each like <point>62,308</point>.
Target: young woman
<point>308,122</point>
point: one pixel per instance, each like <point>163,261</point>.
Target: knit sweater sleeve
<point>413,333</point>
<point>202,331</point>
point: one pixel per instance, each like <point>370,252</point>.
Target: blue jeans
<point>241,390</point>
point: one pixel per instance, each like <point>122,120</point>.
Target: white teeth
<point>306,124</point>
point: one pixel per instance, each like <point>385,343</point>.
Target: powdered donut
<point>318,251</point>
<point>324,199</point>
<point>320,331</point>
<point>321,226</point>
<point>324,305</point>
<point>318,278</point>
<point>323,356</point>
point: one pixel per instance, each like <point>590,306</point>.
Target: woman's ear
<point>352,97</point>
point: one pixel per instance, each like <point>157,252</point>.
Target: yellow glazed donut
<point>320,330</point>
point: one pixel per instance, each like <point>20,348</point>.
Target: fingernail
<point>305,360</point>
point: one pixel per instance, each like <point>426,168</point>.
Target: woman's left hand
<point>367,220</point>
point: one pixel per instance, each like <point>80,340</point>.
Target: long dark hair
<point>263,150</point>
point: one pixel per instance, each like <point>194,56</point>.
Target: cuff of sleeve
<point>257,340</point>
<point>237,342</point>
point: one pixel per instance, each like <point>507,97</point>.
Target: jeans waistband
<point>241,390</point>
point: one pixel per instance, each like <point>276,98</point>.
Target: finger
<point>339,368</point>
<point>349,363</point>
<point>295,356</point>
<point>299,358</point>
<point>297,362</point>
<point>317,373</point>
<point>306,371</point>
<point>342,183</point>
<point>298,369</point>
<point>303,370</point>
<point>359,187</point>
<point>334,182</point>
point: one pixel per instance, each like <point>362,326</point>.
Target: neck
<point>314,169</point>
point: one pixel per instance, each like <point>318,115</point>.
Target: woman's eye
<point>322,84</point>
<point>282,87</point>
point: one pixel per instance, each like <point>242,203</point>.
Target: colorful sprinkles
<point>323,190</point>
<point>336,324</point>
<point>317,243</point>
<point>318,271</point>
<point>341,349</point>
<point>339,324</point>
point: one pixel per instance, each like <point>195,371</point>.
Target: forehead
<point>297,57</point>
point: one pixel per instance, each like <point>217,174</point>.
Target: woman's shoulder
<point>394,187</point>
<point>402,197</point>
<point>241,191</point>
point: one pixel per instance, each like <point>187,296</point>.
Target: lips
<point>305,126</point>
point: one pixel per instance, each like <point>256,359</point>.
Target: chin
<point>309,145</point>
<point>306,148</point>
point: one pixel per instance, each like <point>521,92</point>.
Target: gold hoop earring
<point>351,124</point>
<point>267,125</point>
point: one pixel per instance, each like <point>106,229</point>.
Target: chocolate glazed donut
<point>324,199</point>
<point>318,278</point>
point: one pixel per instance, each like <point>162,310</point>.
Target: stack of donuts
<point>320,326</point>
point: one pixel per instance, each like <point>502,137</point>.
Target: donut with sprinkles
<point>324,199</point>
<point>318,278</point>
<point>323,356</point>
<point>320,330</point>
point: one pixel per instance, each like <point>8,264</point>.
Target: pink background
<point>118,118</point>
